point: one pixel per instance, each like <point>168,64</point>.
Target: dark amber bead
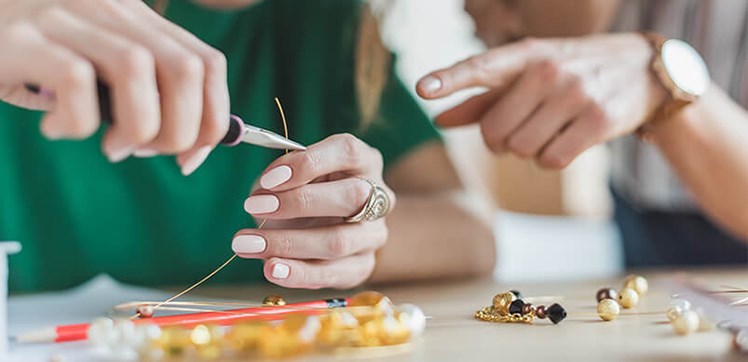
<point>516,293</point>
<point>540,312</point>
<point>606,293</point>
<point>556,313</point>
<point>516,307</point>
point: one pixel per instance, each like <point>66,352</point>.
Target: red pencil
<point>79,332</point>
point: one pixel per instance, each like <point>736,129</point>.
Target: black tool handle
<point>232,138</point>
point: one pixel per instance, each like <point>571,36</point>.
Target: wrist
<point>679,76</point>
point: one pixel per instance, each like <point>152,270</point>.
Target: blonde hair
<point>372,63</point>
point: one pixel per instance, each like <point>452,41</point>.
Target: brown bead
<point>606,293</point>
<point>527,308</point>
<point>540,312</point>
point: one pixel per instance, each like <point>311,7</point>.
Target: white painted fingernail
<point>144,152</point>
<point>248,244</point>
<point>261,204</point>
<point>431,84</point>
<point>281,271</point>
<point>275,177</point>
<point>195,160</point>
<point>119,155</point>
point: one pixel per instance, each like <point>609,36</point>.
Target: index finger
<point>492,69</point>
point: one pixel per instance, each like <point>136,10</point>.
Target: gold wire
<point>230,259</point>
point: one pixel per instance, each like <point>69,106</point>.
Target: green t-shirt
<point>141,221</point>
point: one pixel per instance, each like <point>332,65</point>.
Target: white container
<point>6,248</point>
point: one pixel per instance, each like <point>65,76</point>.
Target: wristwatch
<point>681,71</point>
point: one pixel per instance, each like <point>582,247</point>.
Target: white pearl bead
<point>686,323</point>
<point>680,304</point>
<point>308,332</point>
<point>413,317</point>
<point>100,331</point>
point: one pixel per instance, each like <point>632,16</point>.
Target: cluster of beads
<point>510,307</point>
<point>371,320</point>
<point>610,302</point>
<point>684,319</point>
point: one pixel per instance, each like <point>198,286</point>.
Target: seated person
<point>681,195</point>
<point>142,221</point>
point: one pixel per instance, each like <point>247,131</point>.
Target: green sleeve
<point>401,125</point>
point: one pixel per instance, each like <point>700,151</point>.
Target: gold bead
<point>174,341</point>
<point>686,323</point>
<point>273,300</point>
<point>502,301</point>
<point>608,309</point>
<point>367,298</point>
<point>636,282</point>
<point>338,329</point>
<point>244,336</point>
<point>207,341</point>
<point>628,298</point>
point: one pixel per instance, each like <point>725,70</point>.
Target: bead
<point>540,312</point>
<point>338,329</point>
<point>517,294</point>
<point>502,301</point>
<point>673,313</point>
<point>244,336</point>
<point>145,311</point>
<point>628,298</point>
<point>174,341</point>
<point>367,298</point>
<point>637,283</point>
<point>308,332</point>
<point>686,323</point>
<point>680,304</point>
<point>101,331</point>
<point>516,307</point>
<point>413,317</point>
<point>608,309</point>
<point>606,293</point>
<point>393,331</point>
<point>528,308</point>
<point>273,300</point>
<point>556,313</point>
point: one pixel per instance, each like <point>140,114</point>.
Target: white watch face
<point>685,67</point>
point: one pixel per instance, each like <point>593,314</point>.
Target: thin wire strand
<point>230,259</point>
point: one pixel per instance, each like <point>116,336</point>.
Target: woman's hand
<point>168,87</point>
<point>306,198</point>
<point>552,99</point>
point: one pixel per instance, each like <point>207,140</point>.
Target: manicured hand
<point>552,99</point>
<point>306,197</point>
<point>168,87</point>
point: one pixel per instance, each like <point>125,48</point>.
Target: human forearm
<point>706,145</point>
<point>435,236</point>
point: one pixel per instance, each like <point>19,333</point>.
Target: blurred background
<point>549,224</point>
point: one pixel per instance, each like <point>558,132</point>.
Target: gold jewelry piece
<point>509,307</point>
<point>273,300</point>
<point>377,205</point>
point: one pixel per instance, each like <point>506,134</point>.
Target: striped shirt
<point>718,29</point>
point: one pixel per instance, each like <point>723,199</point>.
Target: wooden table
<point>453,335</point>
